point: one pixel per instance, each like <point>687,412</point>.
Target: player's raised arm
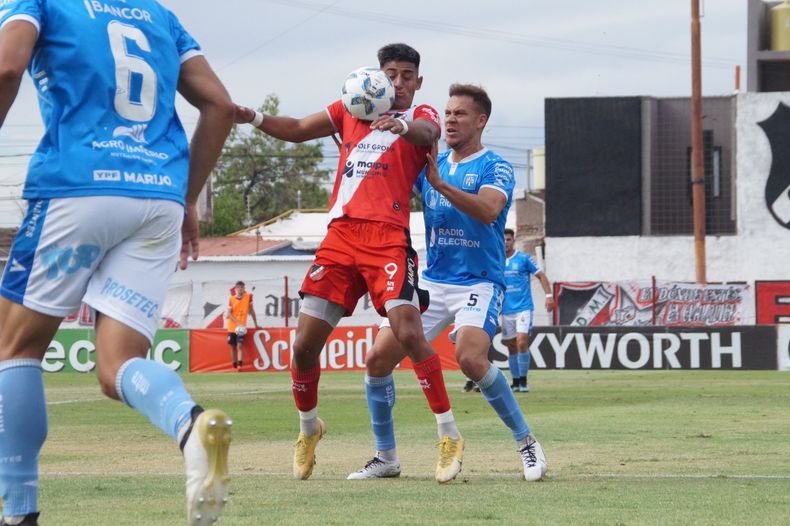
<point>17,39</point>
<point>484,206</point>
<point>201,88</point>
<point>287,128</point>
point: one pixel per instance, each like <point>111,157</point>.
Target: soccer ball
<point>367,93</point>
<point>241,331</point>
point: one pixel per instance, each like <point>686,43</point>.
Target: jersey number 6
<point>135,79</point>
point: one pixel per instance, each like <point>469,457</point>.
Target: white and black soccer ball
<point>241,330</point>
<point>368,93</point>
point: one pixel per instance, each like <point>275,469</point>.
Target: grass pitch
<point>623,448</point>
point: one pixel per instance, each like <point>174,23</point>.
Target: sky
<point>520,51</point>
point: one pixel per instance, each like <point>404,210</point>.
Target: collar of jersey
<point>469,158</point>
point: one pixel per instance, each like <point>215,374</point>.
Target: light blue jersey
<point>462,250</point>
<point>518,294</point>
<point>108,112</point>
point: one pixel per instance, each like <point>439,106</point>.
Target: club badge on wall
<point>777,188</point>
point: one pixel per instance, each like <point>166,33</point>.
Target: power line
<point>513,38</point>
<point>275,37</point>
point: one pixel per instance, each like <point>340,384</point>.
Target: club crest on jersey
<point>348,170</point>
<point>316,272</point>
<point>470,181</point>
<point>431,198</point>
<point>777,187</point>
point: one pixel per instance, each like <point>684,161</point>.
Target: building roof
<point>307,228</point>
<point>239,246</point>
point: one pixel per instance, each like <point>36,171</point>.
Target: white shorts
<point>475,305</point>
<point>518,322</point>
<point>116,254</point>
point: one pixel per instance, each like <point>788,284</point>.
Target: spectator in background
<point>518,310</point>
<point>239,309</point>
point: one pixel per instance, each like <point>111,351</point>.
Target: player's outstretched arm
<point>201,88</point>
<point>287,128</point>
<point>484,206</point>
<point>421,132</point>
<point>17,39</point>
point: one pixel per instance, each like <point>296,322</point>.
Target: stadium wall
<point>759,250</point>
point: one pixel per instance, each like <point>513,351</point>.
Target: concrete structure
<point>759,250</point>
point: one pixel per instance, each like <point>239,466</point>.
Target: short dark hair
<point>399,52</point>
<point>239,283</point>
<point>510,231</point>
<point>476,93</point>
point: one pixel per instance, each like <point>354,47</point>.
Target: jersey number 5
<point>135,79</point>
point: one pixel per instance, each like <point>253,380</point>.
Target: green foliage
<point>261,175</point>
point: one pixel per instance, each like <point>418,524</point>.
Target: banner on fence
<point>772,301</point>
<point>276,301</point>
<point>654,348</point>
<point>270,350</point>
<point>74,350</point>
<point>632,303</point>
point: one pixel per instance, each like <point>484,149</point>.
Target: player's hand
<point>549,304</point>
<point>387,123</point>
<point>244,115</point>
<point>190,231</point>
<point>431,168</point>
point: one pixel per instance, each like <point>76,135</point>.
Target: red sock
<point>305,387</point>
<point>429,373</point>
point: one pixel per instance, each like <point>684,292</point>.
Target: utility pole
<point>697,162</point>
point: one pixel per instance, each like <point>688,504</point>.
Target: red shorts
<point>364,256</point>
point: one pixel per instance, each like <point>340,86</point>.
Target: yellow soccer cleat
<point>451,456</point>
<point>304,452</point>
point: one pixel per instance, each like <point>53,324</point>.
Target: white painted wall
<point>759,251</point>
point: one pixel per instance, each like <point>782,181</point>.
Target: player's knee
<point>411,337</point>
<point>377,363</point>
<point>472,365</point>
<point>306,353</point>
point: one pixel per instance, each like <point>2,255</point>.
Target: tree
<point>259,177</point>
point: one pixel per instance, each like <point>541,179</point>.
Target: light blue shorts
<point>476,305</point>
<point>116,254</point>
<point>518,322</point>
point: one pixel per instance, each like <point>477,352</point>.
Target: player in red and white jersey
<point>367,248</point>
<point>377,170</point>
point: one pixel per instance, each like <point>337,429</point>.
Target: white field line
<point>214,394</point>
<point>556,478</point>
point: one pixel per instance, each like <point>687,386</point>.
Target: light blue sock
<point>512,361</point>
<point>524,359</point>
<point>380,392</point>
<point>496,390</point>
<point>157,392</point>
<point>23,429</point>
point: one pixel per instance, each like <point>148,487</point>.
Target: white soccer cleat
<point>206,464</point>
<point>377,468</point>
<point>534,460</point>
